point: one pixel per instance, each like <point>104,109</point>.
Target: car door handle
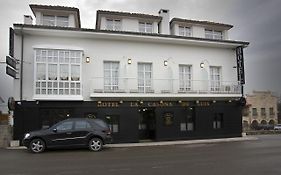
<point>68,133</point>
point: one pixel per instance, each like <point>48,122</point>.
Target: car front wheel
<point>95,144</point>
<point>37,146</point>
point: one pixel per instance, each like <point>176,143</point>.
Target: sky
<point>255,21</point>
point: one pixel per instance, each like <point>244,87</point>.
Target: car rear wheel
<point>37,146</point>
<point>95,144</point>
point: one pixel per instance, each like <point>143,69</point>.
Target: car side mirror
<point>55,130</point>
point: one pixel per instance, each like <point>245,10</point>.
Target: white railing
<point>168,86</point>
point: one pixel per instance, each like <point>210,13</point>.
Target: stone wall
<point>5,135</point>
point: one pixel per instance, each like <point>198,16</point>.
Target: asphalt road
<point>261,157</point>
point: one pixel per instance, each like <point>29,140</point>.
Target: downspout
<point>21,66</point>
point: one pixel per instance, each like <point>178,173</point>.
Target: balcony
<point>129,87</point>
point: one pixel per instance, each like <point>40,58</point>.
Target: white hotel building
<point>150,77</point>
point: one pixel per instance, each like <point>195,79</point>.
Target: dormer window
<point>184,31</point>
<point>113,24</point>
<point>213,34</point>
<point>51,20</point>
<point>145,27</point>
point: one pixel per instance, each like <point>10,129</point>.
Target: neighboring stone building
<point>261,109</point>
<point>279,110</point>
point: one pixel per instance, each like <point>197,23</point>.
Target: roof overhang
<point>164,97</point>
<point>125,36</point>
<point>206,24</point>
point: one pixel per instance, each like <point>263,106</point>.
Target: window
<point>144,77</point>
<point>184,31</point>
<point>188,124</point>
<point>263,112</point>
<point>254,112</point>
<point>111,75</point>
<point>188,120</point>
<point>62,21</point>
<point>213,34</point>
<point>271,111</point>
<point>65,126</point>
<point>51,20</point>
<point>81,125</point>
<point>218,121</point>
<point>215,78</point>
<point>185,77</point>
<point>145,27</point>
<point>113,122</point>
<point>113,24</point>
<point>57,72</point>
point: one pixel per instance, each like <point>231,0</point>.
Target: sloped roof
<point>128,14</point>
<point>209,23</point>
<point>245,44</point>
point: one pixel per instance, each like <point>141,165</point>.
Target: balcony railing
<point>164,86</point>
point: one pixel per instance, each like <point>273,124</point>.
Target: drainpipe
<point>21,66</point>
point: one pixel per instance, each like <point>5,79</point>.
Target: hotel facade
<point>150,77</point>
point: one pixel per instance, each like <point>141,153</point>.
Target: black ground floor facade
<point>136,121</point>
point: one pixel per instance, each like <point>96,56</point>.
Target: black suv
<point>73,132</point>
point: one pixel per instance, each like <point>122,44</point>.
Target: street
<point>260,157</point>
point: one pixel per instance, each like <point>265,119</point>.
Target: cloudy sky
<point>256,21</point>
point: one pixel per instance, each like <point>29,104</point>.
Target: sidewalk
<point>181,142</point>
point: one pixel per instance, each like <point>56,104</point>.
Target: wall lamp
<point>165,62</point>
<point>202,64</point>
<point>129,61</point>
<point>87,59</point>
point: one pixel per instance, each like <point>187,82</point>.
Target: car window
<point>65,126</point>
<point>81,125</point>
<point>101,123</point>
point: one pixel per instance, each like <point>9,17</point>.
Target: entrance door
<point>147,124</point>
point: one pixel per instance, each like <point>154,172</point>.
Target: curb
<point>16,147</point>
<point>185,142</point>
<point>182,142</point>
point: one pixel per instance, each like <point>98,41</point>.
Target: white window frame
<point>185,77</point>
<point>115,26</point>
<point>215,78</point>
<point>145,83</point>
<point>113,78</point>
<point>56,20</point>
<point>55,87</point>
<point>185,31</point>
<point>213,34</point>
<point>146,27</point>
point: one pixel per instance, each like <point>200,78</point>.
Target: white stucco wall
<point>108,49</point>
<point>128,24</point>
<point>39,19</point>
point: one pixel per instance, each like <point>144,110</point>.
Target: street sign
<point>240,65</point>
<point>11,42</point>
<point>11,72</point>
<point>11,61</point>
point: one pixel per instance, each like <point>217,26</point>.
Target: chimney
<point>28,19</point>
<point>164,25</point>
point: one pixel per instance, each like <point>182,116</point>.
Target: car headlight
<point>26,135</point>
